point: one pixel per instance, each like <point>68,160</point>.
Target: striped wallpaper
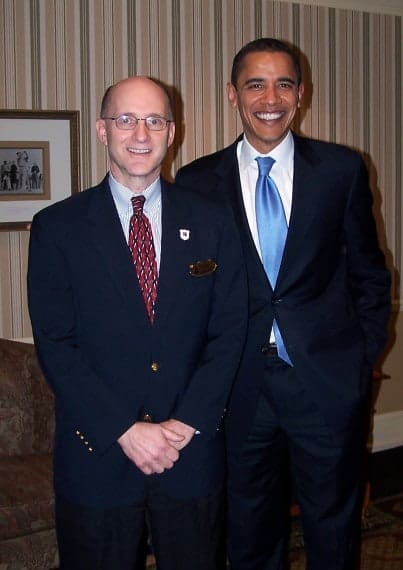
<point>62,54</point>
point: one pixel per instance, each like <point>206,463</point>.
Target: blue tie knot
<point>264,164</point>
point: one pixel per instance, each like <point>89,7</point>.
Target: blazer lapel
<point>175,257</point>
<point>228,171</point>
<point>106,232</point>
<point>306,192</point>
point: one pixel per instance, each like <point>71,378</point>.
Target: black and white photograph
<point>24,170</point>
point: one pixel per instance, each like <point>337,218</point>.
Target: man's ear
<point>232,95</point>
<point>101,131</point>
<point>171,133</point>
<point>300,94</point>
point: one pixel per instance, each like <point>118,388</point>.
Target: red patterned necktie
<point>141,246</point>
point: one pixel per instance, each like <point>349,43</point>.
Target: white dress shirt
<point>282,173</point>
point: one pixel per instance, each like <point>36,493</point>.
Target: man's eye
<point>125,120</point>
<point>255,86</point>
<point>154,121</point>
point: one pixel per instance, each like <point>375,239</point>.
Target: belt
<point>270,349</point>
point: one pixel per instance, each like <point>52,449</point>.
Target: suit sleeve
<point>85,404</point>
<point>369,278</point>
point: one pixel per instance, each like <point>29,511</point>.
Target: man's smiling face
<point>267,97</point>
<point>135,156</point>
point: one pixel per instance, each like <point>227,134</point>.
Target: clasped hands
<point>155,447</point>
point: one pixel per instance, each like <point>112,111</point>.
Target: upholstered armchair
<point>27,535</point>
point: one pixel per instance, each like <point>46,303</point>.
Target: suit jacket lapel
<point>106,232</point>
<point>175,256</point>
<point>229,172</point>
<point>306,192</point>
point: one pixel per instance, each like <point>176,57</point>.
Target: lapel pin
<point>184,234</point>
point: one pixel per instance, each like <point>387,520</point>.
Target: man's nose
<point>271,94</point>
<point>141,132</point>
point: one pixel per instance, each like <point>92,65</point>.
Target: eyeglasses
<point>129,122</point>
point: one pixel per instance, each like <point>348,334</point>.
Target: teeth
<point>139,150</point>
<point>269,116</point>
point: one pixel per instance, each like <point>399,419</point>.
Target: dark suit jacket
<point>331,299</point>
<point>96,345</point>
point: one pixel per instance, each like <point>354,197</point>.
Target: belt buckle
<point>270,349</point>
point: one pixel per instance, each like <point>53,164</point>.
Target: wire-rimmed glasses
<point>130,122</point>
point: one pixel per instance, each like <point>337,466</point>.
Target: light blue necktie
<point>272,230</point>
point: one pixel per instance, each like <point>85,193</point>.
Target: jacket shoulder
<point>210,207</point>
<point>69,207</point>
<point>208,162</point>
<point>326,150</point>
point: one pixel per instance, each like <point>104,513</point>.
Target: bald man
<point>139,319</point>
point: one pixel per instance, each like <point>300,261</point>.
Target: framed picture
<point>39,163</point>
<point>24,170</point>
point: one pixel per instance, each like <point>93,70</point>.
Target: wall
<point>61,54</point>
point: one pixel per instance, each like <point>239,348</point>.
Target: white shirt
<point>152,209</point>
<point>282,173</point>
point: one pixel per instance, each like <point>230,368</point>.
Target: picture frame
<point>39,163</point>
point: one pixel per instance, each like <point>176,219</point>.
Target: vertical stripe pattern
<point>62,54</point>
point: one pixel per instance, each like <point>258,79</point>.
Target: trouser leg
<point>188,533</point>
<point>258,486</point>
<point>328,473</point>
<point>100,539</point>
<point>327,463</point>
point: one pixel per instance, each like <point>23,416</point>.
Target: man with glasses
<point>137,299</point>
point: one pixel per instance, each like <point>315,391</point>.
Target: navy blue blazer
<point>332,296</point>
<point>108,366</point>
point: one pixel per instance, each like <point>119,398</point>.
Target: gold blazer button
<point>155,366</point>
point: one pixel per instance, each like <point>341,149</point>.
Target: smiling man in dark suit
<point>137,296</point>
<point>318,309</point>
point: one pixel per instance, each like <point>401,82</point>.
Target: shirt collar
<point>283,153</point>
<point>123,195</point>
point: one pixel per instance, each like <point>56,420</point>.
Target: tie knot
<point>138,203</point>
<point>264,164</point>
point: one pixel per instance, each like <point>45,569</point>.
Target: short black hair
<point>269,45</point>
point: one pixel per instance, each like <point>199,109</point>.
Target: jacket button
<point>147,418</point>
<point>276,301</point>
<point>155,366</point>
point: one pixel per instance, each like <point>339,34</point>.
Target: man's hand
<point>172,428</point>
<point>149,448</point>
